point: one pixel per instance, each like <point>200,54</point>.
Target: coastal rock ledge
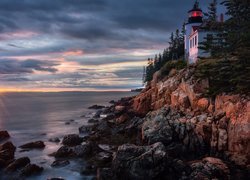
<point>172,130</point>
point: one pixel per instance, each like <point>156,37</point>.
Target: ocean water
<point>39,116</point>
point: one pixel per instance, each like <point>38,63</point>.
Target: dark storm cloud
<point>99,18</point>
<point>12,66</point>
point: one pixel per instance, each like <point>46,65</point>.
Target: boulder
<point>63,152</point>
<point>31,169</point>
<point>210,168</point>
<point>4,135</point>
<point>33,145</point>
<point>7,151</point>
<point>85,129</point>
<point>72,140</point>
<point>60,163</point>
<point>124,117</point>
<point>139,162</point>
<point>82,150</point>
<point>17,164</point>
<point>103,157</point>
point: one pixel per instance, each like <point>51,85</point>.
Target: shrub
<point>175,64</point>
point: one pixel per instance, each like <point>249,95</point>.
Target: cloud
<point>12,66</point>
<point>99,43</point>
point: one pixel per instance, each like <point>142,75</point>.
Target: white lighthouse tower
<point>192,35</point>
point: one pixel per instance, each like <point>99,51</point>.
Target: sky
<point>83,45</point>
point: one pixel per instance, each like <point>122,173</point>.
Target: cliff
<point>222,122</point>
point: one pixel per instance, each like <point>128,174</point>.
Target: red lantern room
<point>195,14</point>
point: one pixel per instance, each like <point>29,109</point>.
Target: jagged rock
<point>124,117</point>
<point>222,140</point>
<point>139,162</point>
<point>82,150</point>
<point>33,145</point>
<point>156,128</point>
<point>31,169</point>
<point>203,104</point>
<point>103,157</point>
<point>210,168</point>
<point>17,164</point>
<point>72,140</point>
<point>85,129</point>
<point>60,163</point>
<point>97,114</point>
<point>120,108</point>
<point>4,135</point>
<point>236,109</point>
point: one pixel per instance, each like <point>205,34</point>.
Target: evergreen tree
<point>237,27</point>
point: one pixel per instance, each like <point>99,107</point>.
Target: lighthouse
<point>193,35</point>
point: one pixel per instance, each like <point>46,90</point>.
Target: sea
<point>40,116</point>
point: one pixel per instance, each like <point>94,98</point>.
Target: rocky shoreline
<point>168,131</point>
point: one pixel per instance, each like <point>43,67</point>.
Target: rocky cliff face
<point>220,125</point>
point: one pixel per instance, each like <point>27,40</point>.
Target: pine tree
<point>237,27</point>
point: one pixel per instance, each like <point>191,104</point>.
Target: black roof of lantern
<point>196,7</point>
<point>195,14</point>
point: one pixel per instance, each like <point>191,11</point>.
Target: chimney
<point>221,17</point>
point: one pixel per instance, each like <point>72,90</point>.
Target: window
<point>195,41</point>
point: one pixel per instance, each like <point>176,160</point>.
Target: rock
<point>17,164</point>
<point>156,128</point>
<point>96,107</point>
<point>179,99</point>
<point>58,178</point>
<point>106,147</point>
<point>222,140</point>
<point>93,121</point>
<point>31,169</point>
<point>88,170</point>
<point>72,140</point>
<point>105,174</point>
<point>85,129</point>
<point>55,140</point>
<point>120,108</point>
<point>124,117</point>
<point>203,104</point>
<point>103,157</point>
<point>60,163</point>
<point>112,102</point>
<point>33,145</point>
<point>209,168</point>
<point>236,109</point>
<point>139,162</point>
<point>82,150</point>
<point>97,114</point>
<point>7,151</point>
<point>4,135</point>
<point>63,152</point>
